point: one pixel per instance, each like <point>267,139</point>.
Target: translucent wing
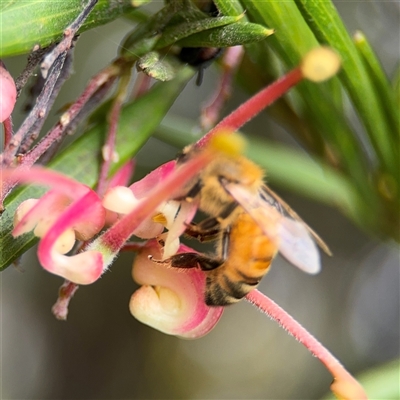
<point>298,247</point>
<point>268,193</point>
<point>291,236</point>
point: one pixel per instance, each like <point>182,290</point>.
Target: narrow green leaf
<point>293,38</point>
<point>384,92</point>
<point>25,24</point>
<point>319,104</point>
<point>231,35</point>
<point>177,32</point>
<point>229,7</point>
<point>81,160</point>
<point>396,87</point>
<point>328,27</point>
<point>148,31</point>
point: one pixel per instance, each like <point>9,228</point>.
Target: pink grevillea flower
<point>171,181</point>
<point>70,211</point>
<point>8,93</point>
<point>169,214</point>
<point>171,300</point>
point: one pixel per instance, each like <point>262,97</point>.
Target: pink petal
<point>142,187</point>
<point>8,93</point>
<point>82,269</point>
<point>115,237</point>
<point>87,215</point>
<point>171,300</point>
<point>49,206</point>
<point>121,200</point>
<point>47,177</point>
<point>122,176</point>
<point>185,216</point>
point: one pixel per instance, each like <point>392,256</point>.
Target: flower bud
<point>8,93</point>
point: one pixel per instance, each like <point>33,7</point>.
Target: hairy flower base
<point>171,300</point>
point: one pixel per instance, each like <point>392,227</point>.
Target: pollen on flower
<point>320,64</point>
<point>168,211</point>
<point>160,218</point>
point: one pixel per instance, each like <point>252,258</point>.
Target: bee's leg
<point>209,228</point>
<point>197,231</point>
<point>191,260</point>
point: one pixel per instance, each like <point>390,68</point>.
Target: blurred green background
<point>101,352</point>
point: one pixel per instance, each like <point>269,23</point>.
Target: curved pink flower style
<point>72,211</point>
<point>171,300</point>
<point>68,212</point>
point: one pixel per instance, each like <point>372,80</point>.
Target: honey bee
<point>250,224</point>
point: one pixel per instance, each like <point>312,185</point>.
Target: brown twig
<point>113,119</point>
<point>65,73</point>
<point>36,116</point>
<point>51,68</point>
<point>34,59</point>
<point>57,132</point>
<point>66,42</point>
<point>8,130</point>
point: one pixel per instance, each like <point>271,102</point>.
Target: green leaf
<point>26,24</point>
<point>329,28</point>
<point>318,104</point>
<point>174,13</point>
<point>81,160</point>
<point>177,32</point>
<point>239,33</point>
<point>229,7</point>
<point>396,87</point>
<point>293,38</point>
<point>383,90</point>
